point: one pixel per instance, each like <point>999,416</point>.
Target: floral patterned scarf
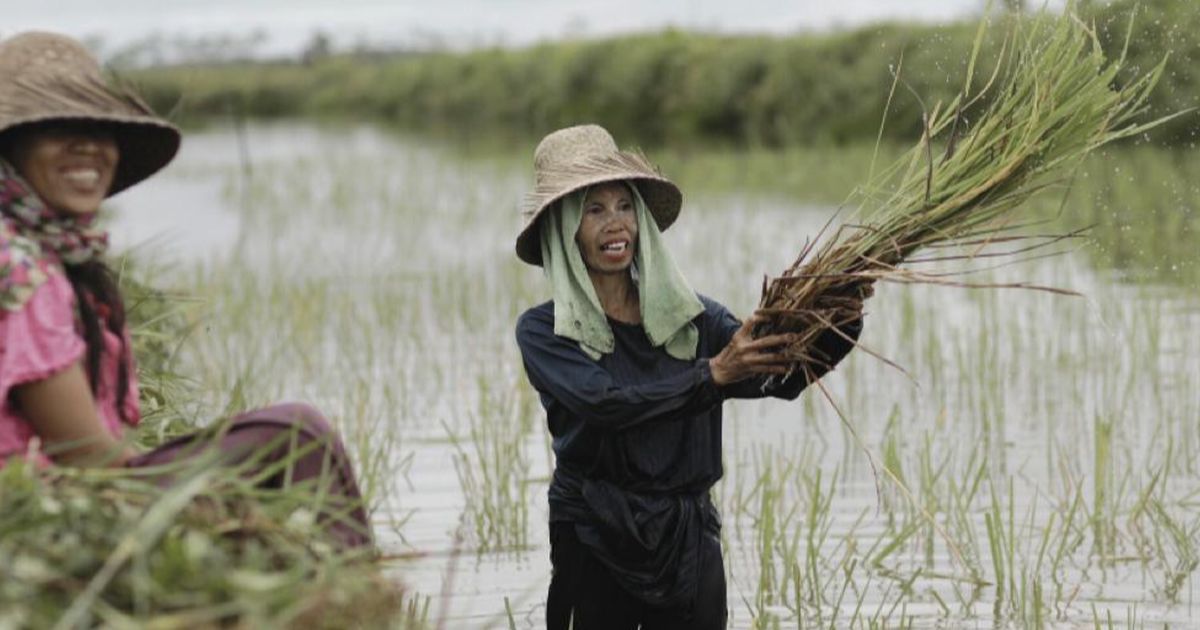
<point>28,230</point>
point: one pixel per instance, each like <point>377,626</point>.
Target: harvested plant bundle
<point>1051,100</point>
<point>98,547</point>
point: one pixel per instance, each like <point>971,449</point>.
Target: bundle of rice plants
<point>1052,98</point>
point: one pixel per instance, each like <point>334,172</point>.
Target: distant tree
<point>318,47</point>
<point>150,50</point>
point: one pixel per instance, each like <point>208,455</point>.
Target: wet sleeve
<point>559,369</point>
<point>830,348</point>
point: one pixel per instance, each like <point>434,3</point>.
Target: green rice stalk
<point>1051,99</point>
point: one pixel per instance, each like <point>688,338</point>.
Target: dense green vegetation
<point>676,86</point>
<point>93,548</point>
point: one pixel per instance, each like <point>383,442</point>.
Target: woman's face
<point>607,235</point>
<point>71,167</point>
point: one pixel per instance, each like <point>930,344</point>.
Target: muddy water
<point>1068,422</point>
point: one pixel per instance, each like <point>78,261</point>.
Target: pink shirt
<point>41,339</point>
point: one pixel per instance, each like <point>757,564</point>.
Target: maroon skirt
<point>282,445</point>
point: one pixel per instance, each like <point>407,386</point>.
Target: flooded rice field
<point>1033,463</point>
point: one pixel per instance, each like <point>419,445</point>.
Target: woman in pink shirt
<point>68,388</point>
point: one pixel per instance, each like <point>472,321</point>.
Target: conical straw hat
<point>585,155</point>
<point>46,78</point>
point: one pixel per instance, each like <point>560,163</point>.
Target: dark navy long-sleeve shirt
<point>637,434</point>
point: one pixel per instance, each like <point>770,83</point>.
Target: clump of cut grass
<point>96,547</point>
<point>1049,102</point>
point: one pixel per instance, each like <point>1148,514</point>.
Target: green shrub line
<point>674,86</point>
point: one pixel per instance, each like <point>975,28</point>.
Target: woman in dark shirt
<point>632,367</point>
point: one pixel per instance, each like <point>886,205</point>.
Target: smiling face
<point>70,166</point>
<point>607,235</point>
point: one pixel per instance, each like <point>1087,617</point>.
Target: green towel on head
<point>668,302</point>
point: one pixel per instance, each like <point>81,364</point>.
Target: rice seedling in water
<point>493,469</point>
<point>807,562</point>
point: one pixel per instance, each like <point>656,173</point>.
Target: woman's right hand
<point>746,356</point>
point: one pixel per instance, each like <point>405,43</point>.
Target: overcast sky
<point>288,24</point>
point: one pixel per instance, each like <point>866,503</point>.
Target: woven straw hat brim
<point>47,78</point>
<point>663,198</point>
